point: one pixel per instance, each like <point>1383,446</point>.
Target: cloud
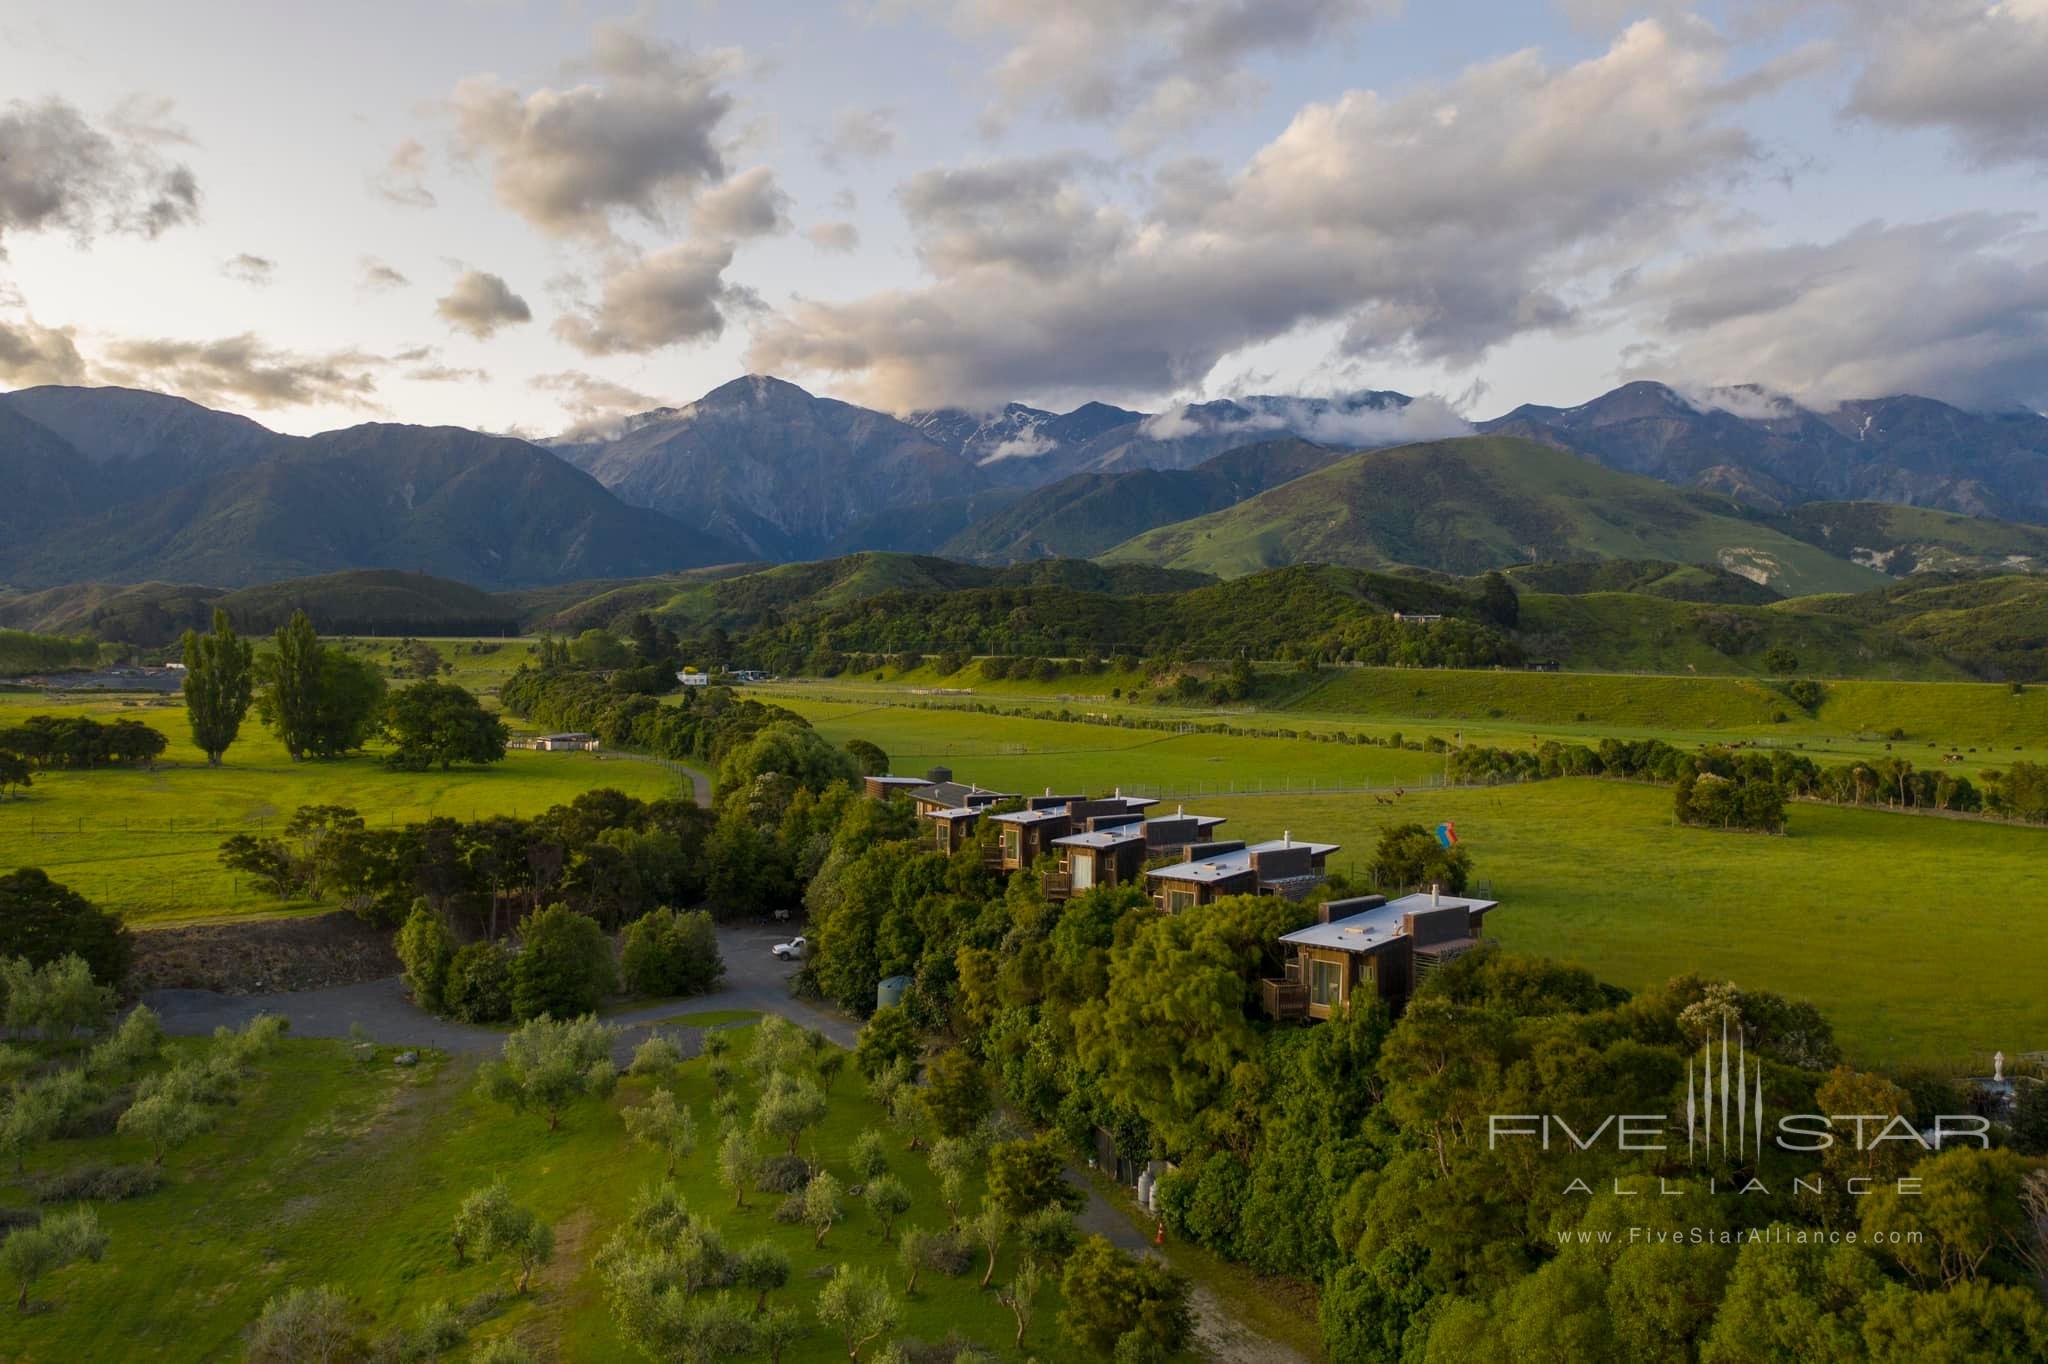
<point>240,370</point>
<point>437,373</point>
<point>31,354</point>
<point>1023,445</point>
<point>663,298</point>
<point>1976,71</point>
<point>748,205</point>
<point>1328,421</point>
<point>403,179</point>
<point>833,236</point>
<point>858,135</point>
<point>596,405</point>
<point>378,276</point>
<point>248,269</point>
<point>1428,227</point>
<point>1956,309</point>
<point>480,303</point>
<point>59,173</point>
<point>1155,67</point>
<point>638,137</point>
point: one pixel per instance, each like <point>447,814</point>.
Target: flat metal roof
<point>1357,932</point>
<point>1033,816</point>
<point>1236,863</point>
<point>1102,838</point>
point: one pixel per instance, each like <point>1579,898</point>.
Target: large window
<point>1013,844</point>
<point>1325,982</point>
<point>1082,869</point>
<point>1178,900</point>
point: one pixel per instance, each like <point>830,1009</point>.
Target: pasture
<point>329,1171</point>
<point>146,843</point>
<point>1914,933</point>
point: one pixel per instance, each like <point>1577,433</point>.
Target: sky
<point>536,216</point>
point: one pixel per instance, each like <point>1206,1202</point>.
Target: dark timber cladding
<point>1373,948</point>
<point>1213,870</point>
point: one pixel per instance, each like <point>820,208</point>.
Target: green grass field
<point>1917,936</point>
<point>1024,754</point>
<point>1897,925</point>
<point>146,843</point>
<point>330,1172</point>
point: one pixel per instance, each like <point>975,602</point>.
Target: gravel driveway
<point>753,980</point>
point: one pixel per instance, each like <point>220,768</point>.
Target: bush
<point>478,987</point>
<point>670,952</point>
<point>303,1324</point>
<point>783,1174</point>
<point>564,965</point>
<point>43,921</point>
<point>96,1184</point>
<point>951,1254</point>
<point>790,1211</point>
<point>426,947</point>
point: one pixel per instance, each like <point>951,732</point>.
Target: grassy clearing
<point>479,664</point>
<point>328,1172</point>
<point>1914,934</point>
<point>146,843</point>
<point>1024,754</point>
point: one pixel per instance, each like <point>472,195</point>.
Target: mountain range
<point>119,485</point>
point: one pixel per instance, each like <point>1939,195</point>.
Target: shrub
<point>783,1174</point>
<point>96,1184</point>
<point>564,966</point>
<point>43,920</point>
<point>548,1065</point>
<point>670,952</point>
<point>304,1325</point>
<point>478,987</point>
<point>790,1210</point>
<point>426,948</point>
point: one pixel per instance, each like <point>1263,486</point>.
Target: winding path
<point>755,980</point>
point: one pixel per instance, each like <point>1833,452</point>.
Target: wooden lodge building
<point>1370,947</point>
<point>1282,866</point>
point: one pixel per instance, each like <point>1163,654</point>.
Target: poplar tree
<point>219,671</point>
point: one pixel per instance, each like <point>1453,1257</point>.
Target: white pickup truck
<point>793,950</point>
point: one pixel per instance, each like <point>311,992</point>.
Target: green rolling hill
<point>1903,540</point>
<point>1475,503</point>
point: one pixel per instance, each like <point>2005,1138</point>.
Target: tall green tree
<point>291,676</point>
<point>219,678</point>
<point>321,702</point>
<point>440,723</point>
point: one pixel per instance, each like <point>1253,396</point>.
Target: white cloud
<point>1143,63</point>
<point>245,268</point>
<point>240,369</point>
<point>1431,226</point>
<point>1977,71</point>
<point>750,204</point>
<point>480,303</point>
<point>403,179</point>
<point>379,276</point>
<point>638,138</point>
<point>59,173</point>
<point>664,298</point>
<point>31,354</point>
<point>596,406</point>
<point>1955,309</point>
<point>858,135</point>
<point>833,236</point>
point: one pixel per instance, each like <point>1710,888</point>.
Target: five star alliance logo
<point>1722,1106</point>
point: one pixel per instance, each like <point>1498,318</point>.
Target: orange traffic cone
<point>1159,1236</point>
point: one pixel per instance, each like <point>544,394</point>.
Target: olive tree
<point>546,1066</point>
<point>29,1253</point>
<point>859,1305</point>
<point>665,1125</point>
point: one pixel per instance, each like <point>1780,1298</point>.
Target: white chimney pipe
<point>1287,838</point>
<point>1434,887</point>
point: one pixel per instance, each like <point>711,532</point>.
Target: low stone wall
<point>262,956</point>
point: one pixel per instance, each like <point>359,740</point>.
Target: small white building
<point>690,677</point>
